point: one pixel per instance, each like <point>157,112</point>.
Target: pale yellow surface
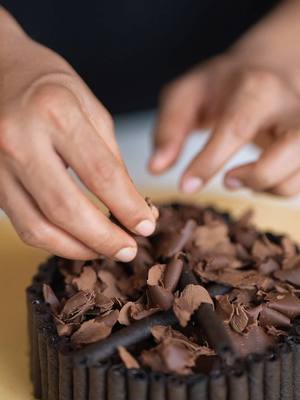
<point>18,263</point>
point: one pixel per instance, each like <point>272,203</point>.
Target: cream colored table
<point>18,263</point>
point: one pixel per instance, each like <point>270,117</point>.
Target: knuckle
<point>9,143</point>
<point>236,126</point>
<point>48,97</point>
<point>37,235</point>
<point>258,79</point>
<point>106,173</point>
<point>58,209</point>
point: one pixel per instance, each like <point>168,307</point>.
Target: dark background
<point>127,49</point>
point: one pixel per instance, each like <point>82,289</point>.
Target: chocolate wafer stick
<point>132,334</point>
<point>213,327</point>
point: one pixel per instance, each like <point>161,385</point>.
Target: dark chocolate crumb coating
<point>141,316</point>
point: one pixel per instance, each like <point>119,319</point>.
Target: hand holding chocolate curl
<point>50,121</point>
<point>249,93</point>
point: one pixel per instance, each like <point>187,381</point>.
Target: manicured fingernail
<point>126,254</point>
<point>233,183</point>
<point>145,227</point>
<point>158,161</point>
<point>191,184</point>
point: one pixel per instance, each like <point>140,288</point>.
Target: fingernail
<point>158,161</point>
<point>145,227</point>
<point>191,184</point>
<point>233,183</point>
<point>126,254</point>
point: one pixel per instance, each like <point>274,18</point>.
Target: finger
<point>33,228</point>
<point>289,187</point>
<point>274,166</point>
<point>179,110</point>
<point>61,201</point>
<point>241,120</point>
<point>97,115</point>
<point>99,170</point>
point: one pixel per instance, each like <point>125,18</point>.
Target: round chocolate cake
<point>207,310</point>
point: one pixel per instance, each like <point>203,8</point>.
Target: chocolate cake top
<point>249,278</point>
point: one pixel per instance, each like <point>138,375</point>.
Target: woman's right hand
<point>50,120</point>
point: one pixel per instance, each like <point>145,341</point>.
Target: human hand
<point>50,120</point>
<point>241,100</point>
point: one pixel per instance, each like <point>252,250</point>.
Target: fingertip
<point>145,227</point>
<point>191,184</point>
<point>160,160</point>
<point>232,182</point>
<point>126,254</point>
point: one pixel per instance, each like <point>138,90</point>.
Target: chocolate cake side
<point>208,309</point>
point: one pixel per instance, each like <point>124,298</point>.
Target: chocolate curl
<point>116,383</point>
<point>65,377</point>
<point>198,387</point>
<point>238,385</point>
<point>180,240</point>
<point>173,273</point>
<point>176,389</point>
<point>210,322</point>
<point>161,297</point>
<point>286,361</point>
<point>80,383</point>
<point>130,335</point>
<point>43,364</point>
<point>137,384</point>
<point>255,376</point>
<point>157,387</point>
<point>52,357</point>
<point>272,377</point>
<point>217,386</point>
<point>97,381</point>
<point>296,366</point>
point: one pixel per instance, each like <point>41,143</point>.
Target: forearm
<point>275,39</point>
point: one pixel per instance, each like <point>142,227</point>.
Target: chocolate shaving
<point>110,289</point>
<point>87,279</point>
<point>96,329</point>
<point>129,361</point>
<point>155,275</point>
<point>50,298</point>
<point>289,275</point>
<point>169,356</point>
<point>263,248</point>
<point>268,267</point>
<point>213,239</point>
<point>169,246</point>
<point>189,300</point>
<point>77,305</point>
<point>287,304</point>
<point>131,312</point>
<point>271,317</point>
<point>239,319</point>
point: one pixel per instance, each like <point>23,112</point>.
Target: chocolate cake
<point>208,309</point>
